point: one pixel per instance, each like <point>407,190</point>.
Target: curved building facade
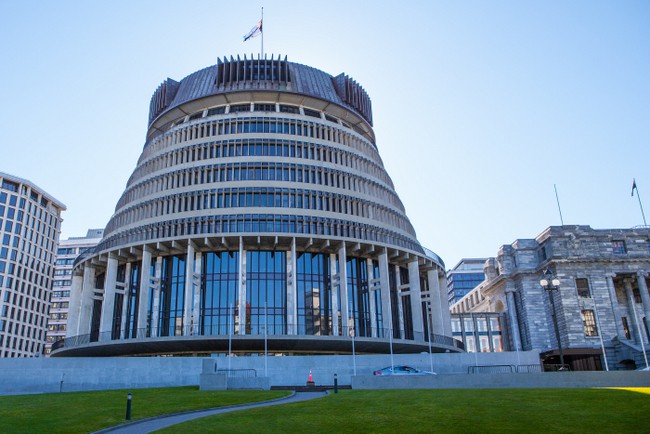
<point>259,217</point>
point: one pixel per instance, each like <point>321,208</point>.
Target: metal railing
<point>239,373</point>
<point>504,369</point>
<point>224,331</point>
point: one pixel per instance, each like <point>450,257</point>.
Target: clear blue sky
<point>480,107</point>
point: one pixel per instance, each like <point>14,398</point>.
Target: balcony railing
<point>261,331</point>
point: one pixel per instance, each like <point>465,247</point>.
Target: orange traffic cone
<point>310,382</point>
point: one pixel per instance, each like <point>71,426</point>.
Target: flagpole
<point>638,196</point>
<point>557,198</point>
<point>262,29</point>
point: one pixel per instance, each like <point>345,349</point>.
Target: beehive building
<point>259,217</point>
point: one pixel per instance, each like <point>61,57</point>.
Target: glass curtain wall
<point>219,292</point>
<point>172,295</point>
<point>266,292</point>
<point>358,296</point>
<point>133,289</point>
<point>313,294</point>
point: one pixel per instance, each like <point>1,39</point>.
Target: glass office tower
<point>259,215</point>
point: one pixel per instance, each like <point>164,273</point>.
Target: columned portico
<point>512,315</point>
<point>416,296</point>
<point>631,306</point>
<point>645,297</point>
<point>108,304</point>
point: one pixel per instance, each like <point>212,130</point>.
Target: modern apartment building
<point>30,222</point>
<point>464,277</point>
<point>259,217</point>
<point>67,252</point>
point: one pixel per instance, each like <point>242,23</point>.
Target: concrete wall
<point>498,381</point>
<point>44,375</point>
<point>40,375</point>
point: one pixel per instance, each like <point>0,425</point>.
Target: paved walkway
<point>160,422</point>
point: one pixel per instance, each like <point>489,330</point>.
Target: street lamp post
<point>551,283</point>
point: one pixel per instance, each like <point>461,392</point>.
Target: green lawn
<point>79,412</point>
<point>350,411</point>
<point>426,411</point>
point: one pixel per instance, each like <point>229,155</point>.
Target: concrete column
<point>400,309</point>
<point>335,278</point>
<point>343,282</point>
<point>609,278</point>
<point>434,301</point>
<point>513,317</point>
<point>631,307</point>
<point>74,306</point>
<point>372,289</point>
<point>124,289</point>
<point>155,304</point>
<point>384,287</point>
<point>242,292</point>
<point>444,302</point>
<point>87,301</point>
<point>143,292</point>
<point>416,300</point>
<point>108,304</point>
<point>196,299</point>
<point>292,281</point>
<point>188,296</point>
<point>645,297</point>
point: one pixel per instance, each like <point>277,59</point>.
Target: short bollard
<point>128,406</point>
<point>336,384</point>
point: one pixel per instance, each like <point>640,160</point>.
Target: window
<point>542,254</point>
<point>264,107</point>
<point>8,185</point>
<point>618,247</point>
<point>289,109</point>
<point>589,323</point>
<point>240,108</point>
<point>582,286</point>
<point>196,116</point>
<point>216,111</point>
<point>312,113</point>
<point>626,328</point>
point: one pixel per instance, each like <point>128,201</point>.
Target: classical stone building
<point>602,301</point>
<point>30,223</point>
<point>259,217</point>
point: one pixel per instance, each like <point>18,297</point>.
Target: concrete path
<point>160,422</point>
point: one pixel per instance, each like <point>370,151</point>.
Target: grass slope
<point>426,411</point>
<point>79,412</point>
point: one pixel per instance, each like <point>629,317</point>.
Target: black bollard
<point>336,384</point>
<point>128,406</point>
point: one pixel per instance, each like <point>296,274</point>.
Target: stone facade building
<point>602,301</point>
<point>259,217</point>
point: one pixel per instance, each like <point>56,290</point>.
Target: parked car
<point>402,370</point>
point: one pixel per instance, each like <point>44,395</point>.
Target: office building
<point>259,217</point>
<point>464,277</point>
<point>30,223</point>
<point>67,252</point>
<point>596,281</point>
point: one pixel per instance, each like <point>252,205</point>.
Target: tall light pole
<point>551,283</point>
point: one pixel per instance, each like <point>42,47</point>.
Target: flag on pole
<point>255,31</point>
<point>634,186</point>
